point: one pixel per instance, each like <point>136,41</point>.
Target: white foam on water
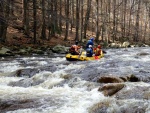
<point>42,63</point>
<point>10,67</point>
<point>58,59</point>
<point>133,84</point>
<point>49,83</point>
<point>74,66</point>
<point>127,105</point>
<point>76,100</point>
<point>148,108</point>
<point>42,74</point>
<point>7,80</point>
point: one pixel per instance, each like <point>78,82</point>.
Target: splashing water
<point>66,90</point>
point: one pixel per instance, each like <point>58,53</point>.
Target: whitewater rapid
<point>54,85</point>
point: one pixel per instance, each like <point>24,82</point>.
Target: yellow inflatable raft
<point>82,57</point>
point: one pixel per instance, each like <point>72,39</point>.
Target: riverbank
<point>24,46</point>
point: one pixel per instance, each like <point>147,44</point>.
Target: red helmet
<point>99,46</point>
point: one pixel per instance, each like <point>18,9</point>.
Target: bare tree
<point>77,20</point>
<point>87,17</point>
<point>67,20</point>
<point>43,33</point>
<point>136,35</point>
<point>81,19</point>
<point>97,21</point>
<point>114,20</point>
<point>34,19</point>
<point>4,18</point>
<point>26,17</point>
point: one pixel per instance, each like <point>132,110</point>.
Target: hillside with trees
<point>40,21</point>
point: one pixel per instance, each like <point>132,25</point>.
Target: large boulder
<point>60,49</point>
<point>111,89</point>
<point>109,79</point>
<point>115,45</point>
<point>125,44</point>
<point>5,52</point>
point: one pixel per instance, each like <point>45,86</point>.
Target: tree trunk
<point>49,19</point>
<point>130,18</point>
<point>52,19</point>
<point>26,17</point>
<point>67,20</point>
<point>5,11</point>
<point>72,14</point>
<point>60,16</point>
<point>87,17</point>
<point>114,20</point>
<point>57,30</point>
<point>97,21</point>
<point>136,36</point>
<point>81,20</point>
<point>77,20</point>
<point>124,20</point>
<point>34,19</point>
<point>43,33</point>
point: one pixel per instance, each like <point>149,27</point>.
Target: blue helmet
<point>91,39</point>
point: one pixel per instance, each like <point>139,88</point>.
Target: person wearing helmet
<point>90,42</point>
<point>76,43</point>
<point>89,51</point>
<point>98,50</point>
<point>74,49</point>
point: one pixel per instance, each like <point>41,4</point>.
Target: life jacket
<point>90,42</point>
<point>89,52</point>
<point>97,52</point>
<point>74,49</point>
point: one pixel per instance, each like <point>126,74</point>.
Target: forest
<point>105,20</point>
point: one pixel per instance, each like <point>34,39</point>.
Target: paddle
<point>80,52</point>
<point>104,52</point>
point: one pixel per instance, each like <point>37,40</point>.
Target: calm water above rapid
<point>54,85</point>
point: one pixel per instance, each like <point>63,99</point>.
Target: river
<point>44,84</point>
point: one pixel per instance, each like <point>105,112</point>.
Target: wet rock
<point>134,92</point>
<point>123,106</point>
<point>124,78</point>
<point>99,108</point>
<point>144,45</point>
<point>27,82</point>
<point>115,45</point>
<point>12,105</point>
<point>22,52</point>
<point>8,74</point>
<point>67,76</point>
<point>147,95</point>
<point>38,51</point>
<point>126,44</point>
<point>17,73</point>
<point>60,49</point>
<point>133,78</point>
<point>109,79</point>
<point>111,89</point>
<point>26,72</point>
<point>142,54</point>
<point>137,107</point>
<point>5,52</point>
